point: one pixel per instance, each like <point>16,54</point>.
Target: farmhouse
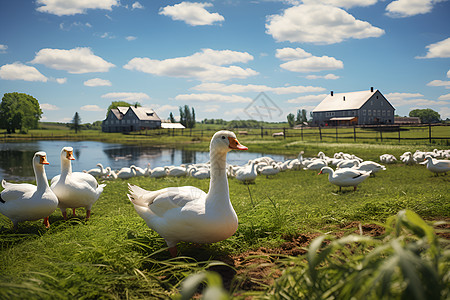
<point>354,108</point>
<point>133,118</point>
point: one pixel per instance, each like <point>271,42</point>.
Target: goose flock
<point>186,213</point>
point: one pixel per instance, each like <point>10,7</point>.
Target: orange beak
<point>70,155</point>
<point>44,160</point>
<point>235,145</point>
<point>319,173</point>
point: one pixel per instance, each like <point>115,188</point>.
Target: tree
<point>301,116</point>
<point>116,104</point>
<point>187,117</point>
<point>19,111</point>
<point>291,120</point>
<point>426,115</point>
<point>76,122</point>
<point>172,118</point>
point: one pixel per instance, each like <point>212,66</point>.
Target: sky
<point>229,59</point>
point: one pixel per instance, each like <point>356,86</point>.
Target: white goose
<point>27,202</point>
<point>74,189</point>
<point>158,172</point>
<point>316,164</point>
<point>199,173</point>
<point>248,173</point>
<point>187,213</point>
<point>345,177</point>
<point>139,171</point>
<point>126,173</point>
<point>176,171</point>
<point>369,166</point>
<point>269,170</point>
<point>436,165</point>
<point>97,172</point>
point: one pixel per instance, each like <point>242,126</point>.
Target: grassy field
<point>115,255</point>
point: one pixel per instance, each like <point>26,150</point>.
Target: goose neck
<point>41,177</point>
<point>218,182</point>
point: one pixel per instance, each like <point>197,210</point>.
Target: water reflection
<point>15,158</point>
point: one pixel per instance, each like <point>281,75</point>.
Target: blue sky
<point>218,56</point>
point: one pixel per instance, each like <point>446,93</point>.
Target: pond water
<point>15,158</point>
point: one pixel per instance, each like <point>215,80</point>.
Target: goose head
<point>67,154</point>
<point>40,158</point>
<point>225,141</point>
<point>326,170</point>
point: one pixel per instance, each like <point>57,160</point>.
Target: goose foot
<point>173,251</point>
<point>64,213</point>
<point>46,222</point>
<point>88,214</point>
<point>73,212</point>
<point>354,188</point>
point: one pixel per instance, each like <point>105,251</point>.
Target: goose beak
<point>320,173</point>
<point>70,155</point>
<point>235,145</point>
<point>44,160</point>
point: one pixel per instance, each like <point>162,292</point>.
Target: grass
<point>115,255</point>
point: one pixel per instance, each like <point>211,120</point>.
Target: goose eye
<point>223,137</point>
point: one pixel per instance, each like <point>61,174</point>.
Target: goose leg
<point>354,188</point>
<point>73,212</point>
<point>46,222</point>
<point>64,213</point>
<point>88,214</point>
<point>173,251</point>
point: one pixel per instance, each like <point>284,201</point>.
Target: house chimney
<point>331,93</point>
<point>344,98</point>
<point>371,89</point>
<point>135,106</point>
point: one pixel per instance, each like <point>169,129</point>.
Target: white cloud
<point>328,77</point>
<point>165,107</point>
<point>239,88</point>
<point>445,113</point>
<point>438,50</point>
<point>207,65</point>
<point>448,74</point>
<point>106,35</point>
<point>75,61</point>
<point>443,83</point>
<point>192,13</point>
<point>318,24</point>
<point>126,96</point>
<point>210,108</point>
<point>308,98</point>
<point>313,64</point>
<point>91,108</point>
<point>97,82</point>
<point>291,53</point>
<point>73,25</point>
<point>412,99</point>
<point>234,112</point>
<point>47,106</point>
<point>19,71</point>
<point>408,8</point>
<point>137,5</point>
<point>61,80</point>
<point>130,38</point>
<point>3,48</point>
<point>213,98</point>
<point>72,7</point>
<point>444,97</point>
<point>342,3</point>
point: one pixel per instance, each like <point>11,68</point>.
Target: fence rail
<point>430,133</point>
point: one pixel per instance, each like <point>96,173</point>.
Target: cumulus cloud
<point>97,82</point>
<point>448,74</point>
<point>301,61</point>
<point>438,50</point>
<point>239,88</point>
<point>412,99</point>
<point>213,98</point>
<point>444,97</point>
<point>445,112</point>
<point>61,80</point>
<point>328,77</point>
<point>192,13</point>
<point>210,108</point>
<point>130,38</point>
<point>91,108</point>
<point>75,61</point>
<point>443,83</point>
<point>308,98</point>
<point>19,71</point>
<point>318,24</point>
<point>408,8</point>
<point>342,3</point>
<point>207,65</point>
<point>127,97</point>
<point>47,106</point>
<point>3,48</point>
<point>165,107</point>
<point>73,7</point>
<point>137,5</point>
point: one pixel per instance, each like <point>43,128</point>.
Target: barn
<point>133,118</point>
<point>368,107</point>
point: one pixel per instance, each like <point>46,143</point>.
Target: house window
<point>379,113</point>
<point>370,112</point>
<point>371,102</point>
<point>381,102</point>
<point>384,113</point>
<point>364,112</point>
<point>374,113</point>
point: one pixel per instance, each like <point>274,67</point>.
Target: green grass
<point>115,255</point>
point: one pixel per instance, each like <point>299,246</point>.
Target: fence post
<point>262,133</point>
<point>336,133</point>
<point>429,132</point>
<point>301,130</point>
<point>354,133</point>
<point>284,133</point>
<point>320,133</point>
<point>399,133</point>
<point>381,133</point>
<point>190,131</point>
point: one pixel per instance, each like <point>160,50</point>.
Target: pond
<point>15,158</point>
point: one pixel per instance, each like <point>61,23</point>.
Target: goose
<point>111,175</point>
<point>388,159</point>
<point>347,163</point>
<point>139,171</point>
<point>345,177</point>
<point>97,172</point>
<point>436,165</point>
<point>199,173</point>
<point>316,164</point>
<point>269,170</point>
<point>247,174</point>
<point>126,173</point>
<point>74,189</point>
<point>369,166</point>
<point>187,213</point>
<point>27,202</point>
<point>176,171</point>
<point>158,172</point>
